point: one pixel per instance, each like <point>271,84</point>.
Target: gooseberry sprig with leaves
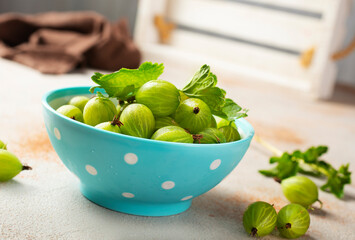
<point>125,83</point>
<point>307,163</point>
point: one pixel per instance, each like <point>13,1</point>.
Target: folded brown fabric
<point>58,42</point>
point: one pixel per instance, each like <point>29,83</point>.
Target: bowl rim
<point>80,90</point>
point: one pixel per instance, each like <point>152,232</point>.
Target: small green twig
<point>268,146</point>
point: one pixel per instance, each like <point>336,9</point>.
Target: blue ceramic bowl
<point>136,175</point>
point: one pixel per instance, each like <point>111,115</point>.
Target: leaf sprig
<point>308,163</point>
<point>125,83</point>
<point>203,86</point>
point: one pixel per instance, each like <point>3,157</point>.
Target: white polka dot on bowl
<point>57,133</point>
<point>128,195</point>
<point>90,169</point>
<point>215,164</point>
<point>131,158</point>
<point>186,198</point>
<point>168,185</point>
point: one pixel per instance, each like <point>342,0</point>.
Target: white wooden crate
<point>249,39</point>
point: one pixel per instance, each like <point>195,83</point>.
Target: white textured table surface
<point>46,203</point>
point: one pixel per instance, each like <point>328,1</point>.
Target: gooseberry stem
<point>25,167</point>
<point>277,152</point>
<point>321,203</point>
<point>268,146</point>
<point>115,121</point>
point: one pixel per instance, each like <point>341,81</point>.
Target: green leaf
<point>285,168</point>
<point>203,86</point>
<point>337,180</point>
<point>125,83</point>
<point>202,79</point>
<point>308,163</point>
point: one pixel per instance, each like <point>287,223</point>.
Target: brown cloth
<point>57,42</point>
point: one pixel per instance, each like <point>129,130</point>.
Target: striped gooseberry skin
<point>193,114</point>
<point>172,134</point>
<point>160,96</point>
<point>137,120</point>
<point>231,134</point>
<point>79,102</point>
<point>99,110</point>
<point>108,126</point>
<point>72,112</point>
<point>161,122</point>
<point>211,135</point>
<point>293,221</point>
<point>259,219</point>
<point>300,190</point>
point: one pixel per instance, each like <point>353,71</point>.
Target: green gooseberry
<point>2,145</point>
<point>221,122</point>
<point>99,110</point>
<point>173,134</point>
<point>160,96</point>
<point>137,120</point>
<point>164,122</point>
<point>293,221</point>
<point>72,112</point>
<point>113,126</point>
<point>259,219</point>
<point>300,190</point>
<point>183,96</point>
<point>213,122</point>
<point>209,135</point>
<point>193,114</point>
<point>10,165</point>
<point>230,133</point>
<point>79,102</point>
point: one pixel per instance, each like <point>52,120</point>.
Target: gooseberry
<point>173,134</point>
<point>98,110</point>
<point>72,112</point>
<point>230,133</point>
<point>221,122</point>
<point>160,96</point>
<point>164,122</point>
<point>259,219</point>
<point>300,190</point>
<point>293,221</point>
<point>193,114</point>
<point>213,122</point>
<point>113,126</point>
<point>137,120</point>
<point>79,102</point>
<point>10,165</point>
<point>210,135</point>
<point>2,145</point>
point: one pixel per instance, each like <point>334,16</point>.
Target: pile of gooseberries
<point>293,220</point>
<point>158,111</point>
<point>260,219</point>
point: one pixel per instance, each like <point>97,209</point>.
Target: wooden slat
<point>182,64</point>
<point>317,6</point>
<point>239,53</point>
<point>260,25</point>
